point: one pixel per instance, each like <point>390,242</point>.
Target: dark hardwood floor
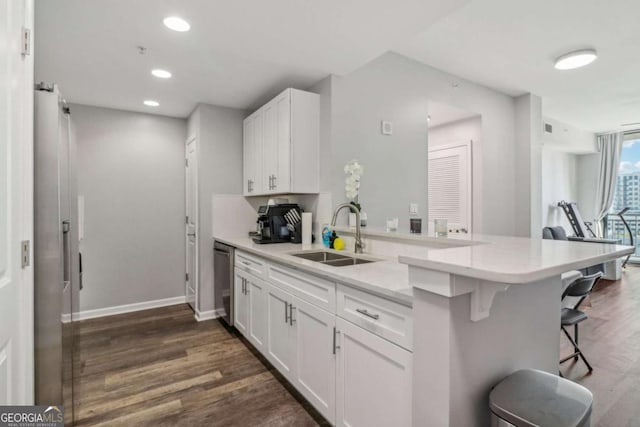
<point>610,339</point>
<point>161,367</point>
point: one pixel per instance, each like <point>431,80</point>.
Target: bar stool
<point>571,316</point>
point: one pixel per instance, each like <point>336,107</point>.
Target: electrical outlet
<point>413,209</point>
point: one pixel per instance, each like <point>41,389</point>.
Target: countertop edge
<point>508,277</point>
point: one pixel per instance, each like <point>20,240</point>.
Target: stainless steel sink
<point>331,258</point>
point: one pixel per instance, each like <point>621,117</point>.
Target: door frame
<point>21,149</point>
<point>192,139</point>
<point>468,145</point>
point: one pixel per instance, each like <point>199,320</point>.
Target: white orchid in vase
<point>354,171</point>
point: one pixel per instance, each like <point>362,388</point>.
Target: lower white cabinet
<point>280,332</point>
<point>352,376</point>
<point>315,369</point>
<point>373,380</point>
<point>240,303</point>
<point>257,311</point>
<point>250,308</point>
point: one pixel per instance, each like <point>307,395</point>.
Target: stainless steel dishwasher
<point>223,256</point>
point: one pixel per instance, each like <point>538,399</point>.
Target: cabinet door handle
<point>244,283</point>
<point>275,182</point>
<point>291,319</point>
<point>366,313</point>
<point>335,340</point>
<point>286,310</point>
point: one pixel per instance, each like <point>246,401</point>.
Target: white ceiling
<point>511,46</point>
<point>237,54</point>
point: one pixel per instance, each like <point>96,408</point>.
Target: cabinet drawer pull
<point>335,345</point>
<point>291,319</point>
<point>247,263</point>
<point>286,312</point>
<point>366,313</point>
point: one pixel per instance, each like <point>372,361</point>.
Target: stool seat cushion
<point>571,316</point>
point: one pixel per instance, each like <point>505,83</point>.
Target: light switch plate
<point>413,209</point>
<point>386,128</point>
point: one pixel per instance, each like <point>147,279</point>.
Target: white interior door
<point>191,277</point>
<point>449,188</point>
<point>16,205</point>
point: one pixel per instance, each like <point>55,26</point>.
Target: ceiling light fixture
<point>151,103</point>
<point>162,74</point>
<point>575,59</point>
<point>176,23</point>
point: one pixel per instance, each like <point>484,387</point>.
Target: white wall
<point>464,131</point>
<point>568,138</point>
<point>393,87</point>
<point>528,162</point>
<point>131,174</point>
<point>559,182</point>
<point>218,131</point>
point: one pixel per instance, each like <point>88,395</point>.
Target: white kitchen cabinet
<point>250,307</point>
<point>286,140</point>
<point>315,369</point>
<point>240,303</point>
<point>252,154</point>
<point>373,380</point>
<point>281,335</point>
<point>256,291</point>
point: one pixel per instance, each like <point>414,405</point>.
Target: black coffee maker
<point>279,224</point>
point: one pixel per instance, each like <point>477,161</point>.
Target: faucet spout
<point>359,245</point>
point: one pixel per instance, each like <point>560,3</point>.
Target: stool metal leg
<point>575,334</point>
<point>577,353</point>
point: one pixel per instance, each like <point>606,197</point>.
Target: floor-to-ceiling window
<point>627,196</point>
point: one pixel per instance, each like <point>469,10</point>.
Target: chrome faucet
<point>359,245</point>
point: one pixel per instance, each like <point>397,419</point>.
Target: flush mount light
<point>151,103</point>
<point>162,74</point>
<point>576,59</point>
<point>176,24</point>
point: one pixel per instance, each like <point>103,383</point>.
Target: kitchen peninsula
<point>416,334</point>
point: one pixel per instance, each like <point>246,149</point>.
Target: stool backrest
<point>559,233</point>
<point>582,287</point>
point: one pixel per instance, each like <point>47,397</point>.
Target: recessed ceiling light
<point>576,59</point>
<point>163,74</point>
<point>151,103</point>
<point>176,24</point>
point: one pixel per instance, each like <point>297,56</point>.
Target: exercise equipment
<point>626,224</point>
<point>580,227</point>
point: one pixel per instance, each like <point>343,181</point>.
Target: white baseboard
<point>66,318</point>
<point>208,315</point>
<point>128,308</point>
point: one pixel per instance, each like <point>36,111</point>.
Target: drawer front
<point>250,264</point>
<point>384,318</point>
<point>312,289</point>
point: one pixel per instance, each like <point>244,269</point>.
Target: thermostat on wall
<point>386,128</point>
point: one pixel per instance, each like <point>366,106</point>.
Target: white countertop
<point>501,259</point>
<point>387,277</point>
<point>515,260</point>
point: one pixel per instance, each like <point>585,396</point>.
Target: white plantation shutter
<point>449,186</point>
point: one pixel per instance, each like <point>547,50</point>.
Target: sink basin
<point>321,256</point>
<point>331,258</point>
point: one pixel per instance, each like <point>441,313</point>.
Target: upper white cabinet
<point>281,145</point>
<point>252,153</point>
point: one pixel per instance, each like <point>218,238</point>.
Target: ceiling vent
<point>548,128</point>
